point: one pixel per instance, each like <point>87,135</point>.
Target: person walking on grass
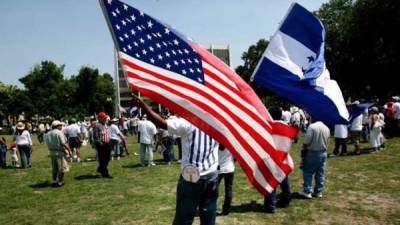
<point>101,138</point>
<point>3,152</point>
<point>198,183</point>
<point>58,147</point>
<point>23,140</point>
<point>270,201</point>
<point>116,138</point>
<point>226,169</point>
<point>340,133</point>
<point>74,134</point>
<point>147,130</point>
<point>314,159</point>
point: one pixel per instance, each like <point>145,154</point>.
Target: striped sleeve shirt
<point>198,148</point>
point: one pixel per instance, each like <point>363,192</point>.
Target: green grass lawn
<point>361,189</point>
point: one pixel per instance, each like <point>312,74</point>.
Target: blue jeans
<point>314,164</point>
<point>168,154</point>
<point>204,194</point>
<point>286,196</point>
<point>25,155</point>
<point>115,147</point>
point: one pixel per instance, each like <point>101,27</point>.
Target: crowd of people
<point>204,162</point>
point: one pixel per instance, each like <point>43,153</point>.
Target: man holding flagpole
<point>198,183</point>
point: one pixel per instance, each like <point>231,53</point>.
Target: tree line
<point>48,93</point>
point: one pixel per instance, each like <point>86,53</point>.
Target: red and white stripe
<point>219,108</point>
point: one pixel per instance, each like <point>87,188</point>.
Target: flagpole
<point>116,49</point>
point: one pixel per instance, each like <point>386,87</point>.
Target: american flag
<point>176,72</point>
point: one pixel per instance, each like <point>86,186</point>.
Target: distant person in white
<point>226,169</point>
<point>147,131</point>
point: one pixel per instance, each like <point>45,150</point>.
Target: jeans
<point>25,155</point>
<point>168,154</point>
<point>115,147</point>
<point>143,149</point>
<point>286,196</point>
<point>314,164</point>
<point>203,194</point>
<point>3,157</point>
<point>228,182</point>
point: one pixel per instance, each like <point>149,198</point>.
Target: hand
<point>136,100</point>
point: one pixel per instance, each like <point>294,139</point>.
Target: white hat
<point>56,123</point>
<point>356,102</point>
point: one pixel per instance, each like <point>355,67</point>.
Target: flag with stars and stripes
<point>176,72</point>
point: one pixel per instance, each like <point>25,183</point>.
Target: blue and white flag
<point>133,111</point>
<point>293,67</point>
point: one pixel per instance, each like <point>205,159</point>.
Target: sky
<point>75,33</point>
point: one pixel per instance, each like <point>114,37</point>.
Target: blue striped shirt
<point>198,148</point>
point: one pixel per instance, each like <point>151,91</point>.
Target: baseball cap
<point>56,123</point>
<point>102,115</point>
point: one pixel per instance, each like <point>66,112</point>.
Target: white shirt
<point>225,161</point>
<point>72,130</point>
<point>198,149</point>
<point>396,107</point>
<point>114,131</point>
<point>356,124</point>
<point>24,138</point>
<point>147,131</point>
<point>341,131</point>
<point>286,115</point>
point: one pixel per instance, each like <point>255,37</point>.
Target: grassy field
<point>361,189</point>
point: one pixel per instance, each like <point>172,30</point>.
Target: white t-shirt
<point>147,131</point>
<point>198,149</point>
<point>286,115</point>
<point>114,131</point>
<point>225,161</point>
<point>72,130</point>
<point>396,107</point>
<point>356,124</point>
<point>23,139</point>
<point>341,131</point>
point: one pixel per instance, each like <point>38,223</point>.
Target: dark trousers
<point>228,183</point>
<point>340,142</point>
<point>168,154</point>
<point>104,153</point>
<point>25,155</point>
<point>3,157</point>
<point>203,194</point>
<point>286,197</point>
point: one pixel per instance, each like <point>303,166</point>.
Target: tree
<point>94,92</point>
<point>13,102</point>
<point>251,58</point>
<point>362,49</point>
<point>43,85</point>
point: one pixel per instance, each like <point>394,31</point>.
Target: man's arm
<point>153,116</point>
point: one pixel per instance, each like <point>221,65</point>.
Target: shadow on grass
<point>247,207</point>
<point>44,184</point>
<point>137,165</point>
<point>86,177</point>
<point>11,167</point>
<point>362,151</point>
